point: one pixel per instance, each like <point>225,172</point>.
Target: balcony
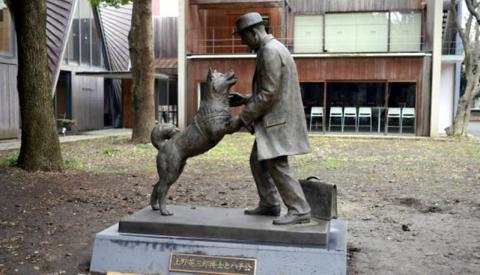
<point>219,40</point>
<point>452,47</point>
<point>229,4</point>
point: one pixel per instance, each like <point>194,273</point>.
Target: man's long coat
<point>275,107</point>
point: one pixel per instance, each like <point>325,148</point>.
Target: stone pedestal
<point>144,243</point>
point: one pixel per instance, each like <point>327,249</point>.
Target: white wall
<point>446,95</point>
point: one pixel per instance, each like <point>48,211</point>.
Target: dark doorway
<point>356,97</point>
<point>312,96</point>
<point>63,96</point>
<point>108,104</point>
<point>166,101</point>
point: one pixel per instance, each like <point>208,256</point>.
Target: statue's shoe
<point>292,219</point>
<point>263,211</point>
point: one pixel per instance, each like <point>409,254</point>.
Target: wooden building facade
<point>376,54</point>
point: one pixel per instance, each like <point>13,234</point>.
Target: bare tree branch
<point>472,6</point>
<point>461,32</point>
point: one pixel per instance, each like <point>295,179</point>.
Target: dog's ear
<point>210,73</point>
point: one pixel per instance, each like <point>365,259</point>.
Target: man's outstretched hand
<point>236,99</point>
<point>234,124</point>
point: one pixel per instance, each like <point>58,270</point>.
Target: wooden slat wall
<point>391,69</point>
<point>428,28</point>
<point>207,24</point>
<point>320,6</point>
<point>9,105</point>
<point>196,18</point>
<point>87,102</point>
<point>165,37</point>
<point>127,103</point>
<point>116,25</point>
<point>58,14</point>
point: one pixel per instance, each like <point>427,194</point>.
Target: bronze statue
<point>207,130</point>
<point>275,111</point>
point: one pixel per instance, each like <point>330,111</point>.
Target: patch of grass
<point>10,161</point>
<point>147,146</point>
<point>110,152</point>
<point>72,164</point>
<point>472,150</point>
<point>331,163</point>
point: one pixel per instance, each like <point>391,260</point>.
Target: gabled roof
<point>116,25</point>
<point>59,15</point>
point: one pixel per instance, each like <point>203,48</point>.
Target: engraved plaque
<point>203,264</point>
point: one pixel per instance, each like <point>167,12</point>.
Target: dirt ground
<point>412,206</point>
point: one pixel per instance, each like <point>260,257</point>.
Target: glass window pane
<point>86,18</point>
<point>96,46</point>
<point>73,47</point>
<point>308,34</point>
<point>356,32</point>
<point>405,31</point>
<point>401,95</point>
<point>371,32</point>
<point>6,31</point>
<point>340,32</point>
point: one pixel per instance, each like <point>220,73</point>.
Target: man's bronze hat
<point>246,21</point>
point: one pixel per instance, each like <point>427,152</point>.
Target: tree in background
<point>140,40</point>
<point>40,147</point>
<point>470,37</point>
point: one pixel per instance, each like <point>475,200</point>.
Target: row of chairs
<point>401,114</point>
<point>363,113</point>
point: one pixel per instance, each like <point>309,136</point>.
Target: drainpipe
<point>182,65</point>
<point>436,67</point>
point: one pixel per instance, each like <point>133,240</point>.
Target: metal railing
<point>452,48</point>
<point>219,40</point>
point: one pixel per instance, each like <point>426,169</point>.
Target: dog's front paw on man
<point>234,124</point>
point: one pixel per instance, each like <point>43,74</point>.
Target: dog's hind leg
<point>162,188</point>
<point>154,197</point>
<point>162,192</point>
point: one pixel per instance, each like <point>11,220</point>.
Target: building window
<point>6,31</point>
<point>476,104</point>
<point>202,88</point>
<point>266,22</point>
<point>308,34</point>
<point>356,32</point>
<point>84,46</point>
<point>401,95</point>
<point>405,31</point>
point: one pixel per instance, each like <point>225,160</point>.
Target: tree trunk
<point>462,117</point>
<point>40,147</point>
<point>142,58</point>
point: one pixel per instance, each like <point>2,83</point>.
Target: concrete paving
<point>8,144</point>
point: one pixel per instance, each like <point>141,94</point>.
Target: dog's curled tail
<point>161,133</point>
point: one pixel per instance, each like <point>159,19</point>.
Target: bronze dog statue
<point>208,128</point>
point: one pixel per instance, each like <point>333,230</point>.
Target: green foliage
<point>72,164</point>
<point>113,3</point>
<point>10,161</point>
<point>146,146</point>
<point>330,163</point>
<point>110,152</point>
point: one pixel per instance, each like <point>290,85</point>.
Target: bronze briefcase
<point>321,196</point>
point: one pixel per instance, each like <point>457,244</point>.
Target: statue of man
<point>275,111</point>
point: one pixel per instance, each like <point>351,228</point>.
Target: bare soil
<point>412,206</point>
